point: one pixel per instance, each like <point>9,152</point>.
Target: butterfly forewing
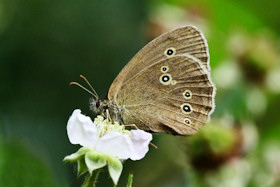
<point>186,40</point>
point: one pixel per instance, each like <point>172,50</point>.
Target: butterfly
<point>165,88</point>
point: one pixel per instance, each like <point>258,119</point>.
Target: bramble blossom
<point>104,143</point>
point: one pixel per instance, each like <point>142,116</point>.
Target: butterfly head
<point>95,105</point>
<point>98,106</point>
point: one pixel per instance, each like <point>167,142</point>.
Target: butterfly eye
<point>97,104</point>
<point>186,108</point>
<point>170,52</point>
<point>187,94</point>
<point>164,69</point>
<point>165,79</point>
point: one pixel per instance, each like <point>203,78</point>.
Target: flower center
<point>105,126</point>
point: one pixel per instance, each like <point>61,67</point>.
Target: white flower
<point>108,138</point>
<point>104,144</point>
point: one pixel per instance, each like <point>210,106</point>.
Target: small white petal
<point>140,140</point>
<point>115,144</point>
<point>81,130</point>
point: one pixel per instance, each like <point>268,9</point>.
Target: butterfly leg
<point>108,116</point>
<point>132,125</point>
<point>153,145</point>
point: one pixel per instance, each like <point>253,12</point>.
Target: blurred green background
<point>45,44</point>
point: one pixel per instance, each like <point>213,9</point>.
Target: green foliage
<point>20,167</point>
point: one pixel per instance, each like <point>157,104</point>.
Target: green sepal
<point>95,160</point>
<point>76,156</point>
<point>115,168</point>
<point>82,167</point>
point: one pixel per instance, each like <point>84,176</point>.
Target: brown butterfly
<point>166,86</point>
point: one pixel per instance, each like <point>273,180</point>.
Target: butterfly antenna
<point>89,85</point>
<point>77,84</point>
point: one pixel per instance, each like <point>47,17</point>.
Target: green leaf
<point>115,168</point>
<point>76,156</point>
<point>95,160</point>
<point>82,167</point>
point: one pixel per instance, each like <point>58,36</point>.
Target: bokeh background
<point>45,44</point>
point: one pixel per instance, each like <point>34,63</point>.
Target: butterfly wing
<point>186,40</point>
<point>169,91</point>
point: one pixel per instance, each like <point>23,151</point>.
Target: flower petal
<point>115,144</point>
<point>140,141</point>
<point>81,130</point>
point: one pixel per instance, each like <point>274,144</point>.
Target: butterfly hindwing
<point>175,96</point>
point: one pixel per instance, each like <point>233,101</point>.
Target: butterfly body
<point>101,106</point>
<point>166,87</point>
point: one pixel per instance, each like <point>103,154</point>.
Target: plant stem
<point>130,179</point>
<point>91,179</point>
